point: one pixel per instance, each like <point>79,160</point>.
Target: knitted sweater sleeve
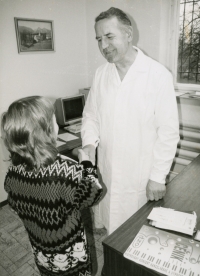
<point>89,190</point>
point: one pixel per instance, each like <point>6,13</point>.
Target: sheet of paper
<point>59,143</point>
<point>67,136</point>
<point>170,219</point>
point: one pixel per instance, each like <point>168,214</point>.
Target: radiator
<point>187,150</point>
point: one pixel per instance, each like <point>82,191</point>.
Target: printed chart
<point>164,252</point>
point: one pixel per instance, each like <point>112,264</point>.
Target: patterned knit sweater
<point>48,202</point>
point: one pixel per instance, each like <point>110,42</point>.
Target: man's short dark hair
<point>114,12</point>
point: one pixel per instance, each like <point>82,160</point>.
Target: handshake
<point>87,154</point>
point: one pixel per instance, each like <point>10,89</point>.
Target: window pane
<point>188,70</point>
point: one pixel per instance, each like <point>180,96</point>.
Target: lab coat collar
<point>141,62</point>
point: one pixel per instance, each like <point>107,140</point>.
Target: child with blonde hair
<point>45,190</point>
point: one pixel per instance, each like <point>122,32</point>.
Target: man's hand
<point>155,190</point>
<point>90,151</point>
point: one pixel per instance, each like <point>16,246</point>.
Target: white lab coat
<point>135,124</point>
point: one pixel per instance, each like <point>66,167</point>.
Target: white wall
<point>189,112</point>
<point>51,74</point>
<point>150,20</point>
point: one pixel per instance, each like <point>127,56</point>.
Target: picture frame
<point>34,35</point>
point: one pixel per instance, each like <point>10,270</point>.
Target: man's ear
<point>129,31</point>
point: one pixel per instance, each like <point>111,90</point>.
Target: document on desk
<point>60,143</point>
<point>67,136</point>
<point>170,219</point>
<point>165,252</point>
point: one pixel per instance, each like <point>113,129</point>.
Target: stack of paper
<point>67,137</point>
<point>173,220</point>
<point>59,143</point>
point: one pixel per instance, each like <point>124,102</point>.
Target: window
<point>188,67</point>
<point>184,57</point>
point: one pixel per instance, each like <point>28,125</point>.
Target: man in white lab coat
<point>131,115</point>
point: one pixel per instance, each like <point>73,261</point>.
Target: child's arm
<point>89,189</point>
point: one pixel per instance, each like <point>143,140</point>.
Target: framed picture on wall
<point>34,35</point>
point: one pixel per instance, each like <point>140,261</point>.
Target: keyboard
<point>164,252</point>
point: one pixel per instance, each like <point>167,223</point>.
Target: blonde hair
<point>28,132</point>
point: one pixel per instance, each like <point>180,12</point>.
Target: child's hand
<point>90,151</point>
<point>82,156</point>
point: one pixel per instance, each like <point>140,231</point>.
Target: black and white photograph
<point>100,137</point>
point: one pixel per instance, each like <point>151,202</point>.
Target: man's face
<point>112,39</point>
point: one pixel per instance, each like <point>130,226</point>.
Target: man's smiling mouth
<point>108,52</point>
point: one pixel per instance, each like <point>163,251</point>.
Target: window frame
<point>174,50</point>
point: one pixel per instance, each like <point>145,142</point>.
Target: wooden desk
<point>68,148</point>
<point>183,194</point>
